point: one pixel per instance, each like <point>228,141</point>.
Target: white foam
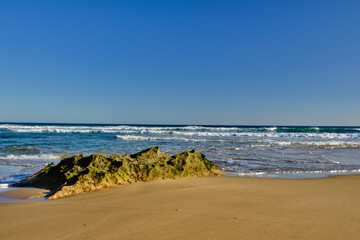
<point>126,129</point>
<point>270,135</point>
<point>271,128</point>
<point>4,185</point>
<point>250,173</point>
<point>142,138</point>
<point>325,171</point>
<point>104,129</point>
<point>30,157</point>
<point>188,131</point>
<point>132,138</point>
<point>200,137</point>
<point>320,143</point>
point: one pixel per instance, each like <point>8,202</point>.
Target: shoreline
<point>11,194</point>
<point>195,208</point>
<point>29,193</point>
<point>26,193</point>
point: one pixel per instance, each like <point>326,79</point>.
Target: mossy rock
<point>81,173</point>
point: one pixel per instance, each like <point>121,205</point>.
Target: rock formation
<point>81,173</point>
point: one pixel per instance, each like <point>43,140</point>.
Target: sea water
<point>260,151</point>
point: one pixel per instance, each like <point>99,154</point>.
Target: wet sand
<point>24,193</point>
<point>195,208</point>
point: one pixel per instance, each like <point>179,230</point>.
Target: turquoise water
<point>262,151</point>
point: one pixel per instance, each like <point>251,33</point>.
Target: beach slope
<point>195,208</point>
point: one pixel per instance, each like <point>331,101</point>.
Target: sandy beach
<point>195,208</point>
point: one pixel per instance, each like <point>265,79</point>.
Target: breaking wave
<point>207,130</point>
<point>142,138</point>
<point>30,157</point>
<point>322,172</point>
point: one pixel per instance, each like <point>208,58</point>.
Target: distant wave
<point>191,131</point>
<point>304,143</point>
<point>181,139</point>
<point>271,135</point>
<point>116,129</point>
<point>318,129</point>
<point>200,134</point>
<point>206,130</point>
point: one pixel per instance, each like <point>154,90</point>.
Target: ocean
<point>247,151</point>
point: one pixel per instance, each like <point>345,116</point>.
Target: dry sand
<point>195,208</point>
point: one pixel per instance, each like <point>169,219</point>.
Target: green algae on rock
<point>81,173</point>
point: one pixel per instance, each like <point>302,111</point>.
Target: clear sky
<point>180,62</point>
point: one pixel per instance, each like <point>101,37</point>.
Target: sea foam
<point>31,157</point>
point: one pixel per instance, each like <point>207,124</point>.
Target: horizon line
<point>180,125</point>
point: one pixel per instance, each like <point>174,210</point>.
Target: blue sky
<point>180,62</point>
